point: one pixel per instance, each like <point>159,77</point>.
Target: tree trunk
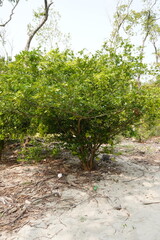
<point>88,161</point>
<point>46,13</point>
<point>1,148</point>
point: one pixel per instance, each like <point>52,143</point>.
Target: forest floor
<point>118,201</point>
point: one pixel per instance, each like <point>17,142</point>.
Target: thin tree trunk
<point>156,52</point>
<point>46,14</point>
<point>1,148</point>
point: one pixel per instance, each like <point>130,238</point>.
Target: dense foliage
<point>84,100</point>
<point>149,124</point>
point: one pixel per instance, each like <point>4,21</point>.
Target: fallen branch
<point>134,178</point>
<point>55,194</point>
<point>57,233</point>
<point>44,180</point>
<point>149,203</point>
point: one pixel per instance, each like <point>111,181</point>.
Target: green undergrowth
<point>37,150</point>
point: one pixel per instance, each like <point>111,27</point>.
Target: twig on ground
<point>57,233</point>
<point>62,222</point>
<point>46,179</point>
<point>56,194</point>
<point>149,203</point>
<point>134,178</point>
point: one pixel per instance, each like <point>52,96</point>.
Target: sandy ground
<point>110,205</point>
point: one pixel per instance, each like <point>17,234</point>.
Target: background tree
<point>49,35</point>
<point>135,25</point>
<point>5,43</point>
<point>44,17</point>
<point>42,33</point>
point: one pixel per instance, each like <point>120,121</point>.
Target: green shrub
<point>85,101</point>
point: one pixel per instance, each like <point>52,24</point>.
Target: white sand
<point>116,211</point>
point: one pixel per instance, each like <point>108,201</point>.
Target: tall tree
<point>49,36</point>
<point>44,18</point>
<point>143,25</point>
<point>140,27</point>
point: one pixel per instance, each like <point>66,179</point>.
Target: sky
<point>89,22</point>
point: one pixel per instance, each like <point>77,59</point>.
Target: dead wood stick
<point>149,203</point>
<point>133,179</point>
<point>55,194</point>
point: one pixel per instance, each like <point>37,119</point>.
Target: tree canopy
<point>84,100</point>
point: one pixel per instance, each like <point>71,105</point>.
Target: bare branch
<point>157,55</point>
<point>121,21</point>
<point>148,28</point>
<point>46,8</point>
<point>4,43</point>
<point>11,15</point>
<point>155,2</point>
